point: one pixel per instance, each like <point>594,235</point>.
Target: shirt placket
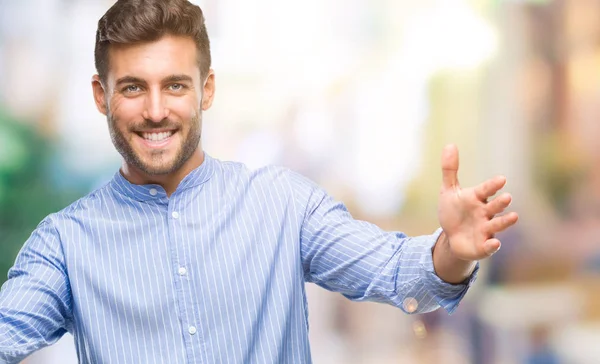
<point>189,323</point>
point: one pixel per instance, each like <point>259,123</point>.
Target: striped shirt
<point>214,273</point>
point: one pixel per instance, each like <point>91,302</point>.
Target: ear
<point>99,95</point>
<point>208,93</point>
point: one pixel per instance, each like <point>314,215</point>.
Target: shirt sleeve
<point>35,301</point>
<point>365,263</point>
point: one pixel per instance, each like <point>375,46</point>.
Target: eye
<point>176,87</point>
<point>131,89</point>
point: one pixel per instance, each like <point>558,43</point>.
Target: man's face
<point>153,98</point>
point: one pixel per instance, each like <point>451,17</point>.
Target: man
<point>182,258</point>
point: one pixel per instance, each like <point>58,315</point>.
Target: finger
<point>491,246</point>
<point>500,223</point>
<point>489,188</point>
<point>450,166</point>
<point>498,204</point>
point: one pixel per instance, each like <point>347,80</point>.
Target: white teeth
<point>157,137</point>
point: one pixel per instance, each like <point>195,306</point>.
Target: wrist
<point>448,266</point>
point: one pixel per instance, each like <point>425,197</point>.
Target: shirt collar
<point>196,177</point>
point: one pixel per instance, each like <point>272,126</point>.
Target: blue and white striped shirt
<point>213,274</point>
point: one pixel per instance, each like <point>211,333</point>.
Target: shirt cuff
<point>447,295</point>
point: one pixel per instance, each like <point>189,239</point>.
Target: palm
<point>467,217</point>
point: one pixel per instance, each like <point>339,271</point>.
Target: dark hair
<point>138,21</point>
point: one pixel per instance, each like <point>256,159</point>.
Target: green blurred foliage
<point>26,192</point>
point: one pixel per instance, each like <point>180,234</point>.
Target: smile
<point>156,139</point>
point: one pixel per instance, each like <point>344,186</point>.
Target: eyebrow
<point>178,78</point>
<point>129,79</point>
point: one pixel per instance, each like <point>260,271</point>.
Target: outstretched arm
<point>365,263</point>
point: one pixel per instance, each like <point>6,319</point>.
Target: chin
<point>159,170</point>
<point>157,167</point>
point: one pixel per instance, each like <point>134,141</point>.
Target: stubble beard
<point>157,165</point>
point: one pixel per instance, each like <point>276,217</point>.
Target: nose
<point>155,108</point>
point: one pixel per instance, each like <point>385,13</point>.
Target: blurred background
<point>360,96</point>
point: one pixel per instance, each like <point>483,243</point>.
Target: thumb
<point>450,166</point>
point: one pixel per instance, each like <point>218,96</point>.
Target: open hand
<point>467,215</point>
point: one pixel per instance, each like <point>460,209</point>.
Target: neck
<point>168,181</point>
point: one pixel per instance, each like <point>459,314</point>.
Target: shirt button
<point>192,330</point>
<point>175,215</point>
<point>153,191</point>
<point>182,271</point>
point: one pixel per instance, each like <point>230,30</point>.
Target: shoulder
<point>274,176</point>
<point>89,205</point>
<point>273,180</point>
<point>49,235</point>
